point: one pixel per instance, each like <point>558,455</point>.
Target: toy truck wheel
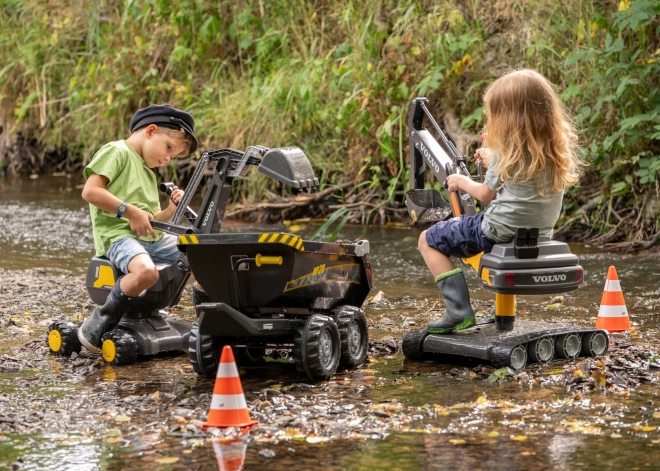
<point>412,344</point>
<point>316,347</point>
<point>353,336</point>
<point>63,339</point>
<point>118,348</point>
<point>203,352</point>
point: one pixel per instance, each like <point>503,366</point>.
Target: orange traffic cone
<point>230,453</point>
<point>612,315</point>
<point>228,407</point>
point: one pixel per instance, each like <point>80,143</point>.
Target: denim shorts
<point>122,251</point>
<point>459,237</point>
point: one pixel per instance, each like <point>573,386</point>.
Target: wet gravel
<point>139,405</point>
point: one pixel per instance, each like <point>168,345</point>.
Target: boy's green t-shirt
<point>131,181</point>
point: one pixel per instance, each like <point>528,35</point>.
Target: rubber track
<point>412,344</point>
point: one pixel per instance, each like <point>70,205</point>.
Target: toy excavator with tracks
<point>529,264</point>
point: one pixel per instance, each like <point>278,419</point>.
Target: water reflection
<point>532,426</point>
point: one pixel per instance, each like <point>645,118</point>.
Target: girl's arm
<point>476,190</point>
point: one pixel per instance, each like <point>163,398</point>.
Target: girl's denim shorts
<point>459,237</point>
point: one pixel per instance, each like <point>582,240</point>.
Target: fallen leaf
<point>457,441</point>
<point>615,435</point>
<point>167,460</point>
<point>122,418</point>
<point>519,438</point>
<point>494,434</point>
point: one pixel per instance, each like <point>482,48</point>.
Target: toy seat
<point>529,264</point>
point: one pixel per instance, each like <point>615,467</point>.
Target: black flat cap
<point>168,116</point>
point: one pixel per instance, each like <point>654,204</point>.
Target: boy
<point>122,192</point>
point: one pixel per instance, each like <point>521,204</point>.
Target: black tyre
<point>204,352</point>
<point>412,344</point>
<point>249,355</point>
<point>118,348</point>
<point>63,339</point>
<point>353,336</point>
<point>316,348</point>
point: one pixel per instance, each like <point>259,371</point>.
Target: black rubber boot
<point>199,296</point>
<point>458,313</point>
<point>105,318</point>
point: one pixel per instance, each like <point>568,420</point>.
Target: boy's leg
<point>130,257</point>
<point>458,313</point>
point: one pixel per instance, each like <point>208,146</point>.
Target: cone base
<point>248,425</point>
<point>613,324</point>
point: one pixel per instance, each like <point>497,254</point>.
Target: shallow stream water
<point>418,415</point>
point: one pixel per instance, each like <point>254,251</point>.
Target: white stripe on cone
<point>612,285</point>
<point>228,401</point>
<point>227,370</point>
<point>612,311</point>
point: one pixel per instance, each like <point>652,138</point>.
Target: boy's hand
<point>176,195</point>
<point>455,181</point>
<point>140,222</point>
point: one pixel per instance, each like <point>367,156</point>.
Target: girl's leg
<point>435,260</point>
<point>458,313</point>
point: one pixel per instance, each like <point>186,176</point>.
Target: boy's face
<point>159,148</point>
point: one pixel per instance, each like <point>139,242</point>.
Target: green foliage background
<point>336,78</point>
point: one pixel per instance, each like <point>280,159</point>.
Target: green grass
<point>334,78</point>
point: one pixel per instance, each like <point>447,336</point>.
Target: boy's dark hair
<point>167,116</point>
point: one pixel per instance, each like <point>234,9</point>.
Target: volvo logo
<point>429,158</point>
<point>549,278</point>
<point>208,214</point>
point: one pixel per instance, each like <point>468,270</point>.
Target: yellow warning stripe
<point>287,239</point>
<point>184,240</point>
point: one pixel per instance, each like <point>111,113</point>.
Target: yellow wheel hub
<point>55,340</point>
<point>108,351</point>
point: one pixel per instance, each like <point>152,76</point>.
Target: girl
<point>531,157</point>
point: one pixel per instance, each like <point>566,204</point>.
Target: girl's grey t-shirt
<point>519,205</point>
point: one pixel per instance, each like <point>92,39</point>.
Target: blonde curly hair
<point>529,127</point>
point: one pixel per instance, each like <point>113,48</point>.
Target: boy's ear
<point>150,130</point>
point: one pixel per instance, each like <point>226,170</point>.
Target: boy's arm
<point>480,191</point>
<point>167,214</point>
<point>94,192</point>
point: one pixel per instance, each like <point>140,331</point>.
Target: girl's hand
<point>484,154</point>
<point>454,182</point>
<point>176,195</point>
